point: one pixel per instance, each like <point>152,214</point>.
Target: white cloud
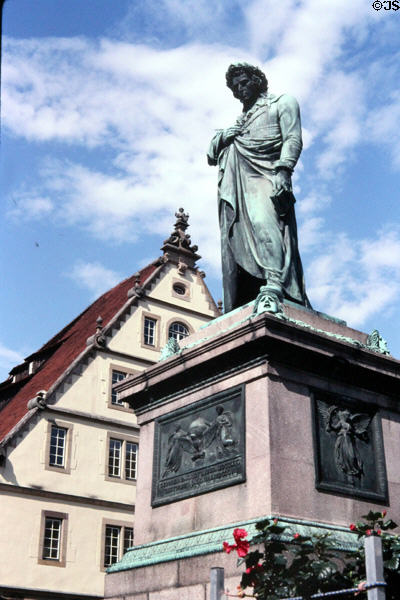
<point>354,279</point>
<point>94,277</point>
<point>28,206</point>
<point>9,358</point>
<point>154,109</point>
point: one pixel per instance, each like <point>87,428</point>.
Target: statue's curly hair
<point>256,74</point>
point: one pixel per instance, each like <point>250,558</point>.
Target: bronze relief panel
<point>348,447</point>
<point>199,448</point>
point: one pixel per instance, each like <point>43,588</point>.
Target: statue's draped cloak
<point>259,233</point>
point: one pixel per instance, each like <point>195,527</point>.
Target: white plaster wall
<point>20,520</point>
<point>26,464</point>
<point>194,312</point>
<point>90,391</point>
<point>199,297</point>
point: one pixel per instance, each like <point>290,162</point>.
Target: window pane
<point>130,460</point>
<point>178,331</point>
<point>117,376</point>
<point>52,538</point>
<point>57,446</point>
<point>150,331</point>
<point>128,538</point>
<point>114,458</point>
<point>111,547</point>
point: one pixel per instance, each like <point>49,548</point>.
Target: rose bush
<point>294,565</point>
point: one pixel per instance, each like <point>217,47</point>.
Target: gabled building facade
<point>68,446</point>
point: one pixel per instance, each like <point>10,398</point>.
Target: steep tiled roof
<point>66,346</point>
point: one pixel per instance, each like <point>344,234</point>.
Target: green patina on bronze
<point>256,158</point>
<point>209,541</point>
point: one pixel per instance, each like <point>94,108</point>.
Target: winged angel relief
<point>200,435</point>
<point>348,428</point>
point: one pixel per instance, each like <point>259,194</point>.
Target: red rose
<point>379,532</point>
<point>296,536</point>
<point>275,521</point>
<point>368,532</point>
<point>384,513</point>
<point>352,527</point>
<point>242,548</point>
<point>238,534</point>
<point>227,547</point>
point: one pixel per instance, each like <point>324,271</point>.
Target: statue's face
<point>244,88</point>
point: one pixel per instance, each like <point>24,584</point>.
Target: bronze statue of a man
<point>256,158</point>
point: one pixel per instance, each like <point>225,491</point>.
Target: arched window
<point>178,331</point>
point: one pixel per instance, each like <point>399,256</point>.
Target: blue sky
<point>108,107</point>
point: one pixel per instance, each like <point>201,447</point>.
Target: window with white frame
<point>149,331</point>
<point>117,540</point>
<point>115,377</point>
<point>178,331</point>
<point>122,459</point>
<point>53,539</point>
<point>58,444</point>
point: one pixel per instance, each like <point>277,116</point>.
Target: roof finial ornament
<point>98,339</point>
<point>99,324</point>
<point>179,246</point>
<point>181,219</point>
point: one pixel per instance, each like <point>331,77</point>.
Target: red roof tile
<point>68,344</point>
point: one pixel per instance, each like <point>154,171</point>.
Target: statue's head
<point>245,80</point>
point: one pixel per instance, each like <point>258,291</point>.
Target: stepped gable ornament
<point>256,158</point>
<point>178,247</point>
<point>98,340</point>
<point>137,290</point>
<point>39,401</point>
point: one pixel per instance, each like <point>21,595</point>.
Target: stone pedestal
<point>290,415</point>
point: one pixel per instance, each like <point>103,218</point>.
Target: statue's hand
<point>282,182</point>
<point>229,134</point>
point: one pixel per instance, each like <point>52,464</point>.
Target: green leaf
<point>276,529</point>
<point>393,563</point>
<point>372,516</point>
<point>261,525</point>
